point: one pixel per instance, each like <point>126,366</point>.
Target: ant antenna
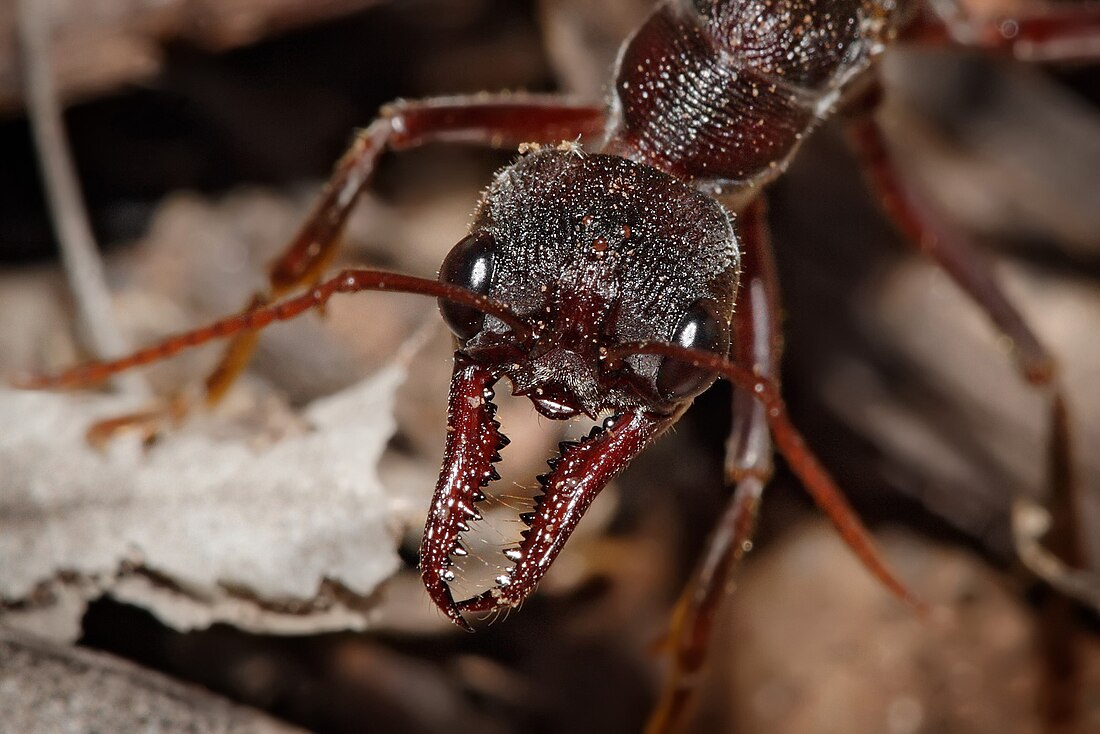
<point>348,281</point>
<point>815,478</point>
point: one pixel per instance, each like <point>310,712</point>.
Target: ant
<point>618,274</point>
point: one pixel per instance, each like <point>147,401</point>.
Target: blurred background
<point>201,133</point>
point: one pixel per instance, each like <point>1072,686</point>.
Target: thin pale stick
<point>97,331</point>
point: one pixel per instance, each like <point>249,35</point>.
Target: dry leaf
<point>200,528</point>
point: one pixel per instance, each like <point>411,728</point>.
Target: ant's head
<point>593,251</point>
<point>583,256</point>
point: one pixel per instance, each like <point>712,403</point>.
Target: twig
<point>97,329</point>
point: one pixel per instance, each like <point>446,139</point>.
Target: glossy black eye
<point>468,265</point>
<point>700,328</point>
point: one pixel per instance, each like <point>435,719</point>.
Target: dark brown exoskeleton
<point>620,274</point>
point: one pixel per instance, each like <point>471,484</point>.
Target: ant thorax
<point>724,93</point>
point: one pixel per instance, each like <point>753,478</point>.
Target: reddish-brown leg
<point>761,417</point>
<point>948,248</point>
<point>498,121</point>
<point>952,251</point>
<point>491,120</point>
<point>757,342</point>
<point>1046,32</point>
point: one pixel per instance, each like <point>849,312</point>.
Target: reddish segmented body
<point>722,92</point>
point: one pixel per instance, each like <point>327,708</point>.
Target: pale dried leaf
<point>200,528</point>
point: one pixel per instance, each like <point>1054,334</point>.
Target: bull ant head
<point>588,253</point>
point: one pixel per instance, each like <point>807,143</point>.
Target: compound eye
<point>468,265</point>
<point>700,328</point>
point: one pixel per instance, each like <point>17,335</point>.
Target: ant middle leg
<point>499,121</point>
<point>954,253</point>
<point>757,342</point>
<point>759,423</point>
<point>758,427</point>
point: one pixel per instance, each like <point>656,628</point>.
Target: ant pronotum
<point>621,272</point>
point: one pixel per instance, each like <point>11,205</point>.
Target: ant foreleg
<point>1049,32</point>
<point>757,342</point>
<point>492,120</point>
<point>760,417</point>
<point>499,121</point>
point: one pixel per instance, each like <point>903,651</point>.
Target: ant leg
<point>954,253</point>
<point>1049,32</point>
<point>757,342</point>
<point>948,249</point>
<point>497,121</point>
<point>491,120</point>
